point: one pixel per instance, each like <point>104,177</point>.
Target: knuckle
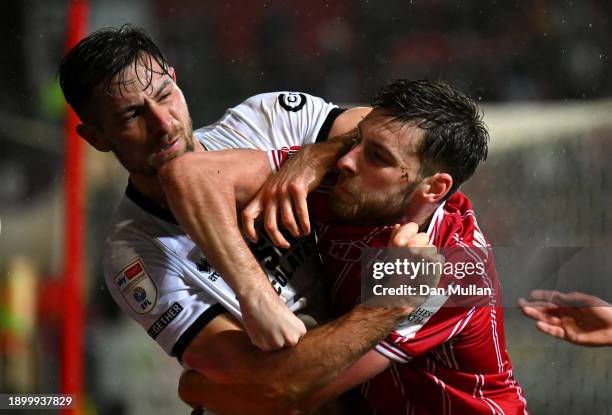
<point>398,240</point>
<point>295,187</point>
<point>412,228</point>
<point>270,225</point>
<point>297,339</point>
<point>246,213</point>
<point>277,344</point>
<point>259,343</point>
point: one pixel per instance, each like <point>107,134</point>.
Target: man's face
<point>379,175</point>
<point>144,126</point>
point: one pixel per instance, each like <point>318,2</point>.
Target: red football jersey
<point>451,360</point>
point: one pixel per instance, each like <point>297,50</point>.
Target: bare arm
<point>368,366</point>
<point>242,380</point>
<point>202,190</point>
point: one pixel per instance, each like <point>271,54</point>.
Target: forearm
<point>280,379</point>
<point>327,153</point>
<point>368,366</point>
<point>211,219</point>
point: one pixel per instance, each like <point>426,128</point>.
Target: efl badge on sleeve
<point>137,287</point>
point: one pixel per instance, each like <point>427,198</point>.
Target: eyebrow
<point>377,145</point>
<point>162,87</point>
<point>159,90</point>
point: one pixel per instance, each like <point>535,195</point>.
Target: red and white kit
<point>450,360</point>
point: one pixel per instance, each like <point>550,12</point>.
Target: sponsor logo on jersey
<point>280,264</point>
<point>292,102</point>
<point>131,272</point>
<point>203,265</point>
<point>165,319</point>
<point>137,287</point>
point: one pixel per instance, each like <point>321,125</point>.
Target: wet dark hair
<point>455,139</point>
<point>100,57</point>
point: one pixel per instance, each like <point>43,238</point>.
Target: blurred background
<point>540,69</point>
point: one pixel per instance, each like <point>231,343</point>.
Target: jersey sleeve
<point>278,121</point>
<point>442,317</point>
<point>426,328</point>
<point>152,290</point>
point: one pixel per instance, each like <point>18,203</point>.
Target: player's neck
<point>420,214</point>
<point>149,187</point>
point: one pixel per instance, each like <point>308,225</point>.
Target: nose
<point>159,119</point>
<point>348,163</point>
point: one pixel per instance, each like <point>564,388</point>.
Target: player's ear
<point>93,136</point>
<point>436,187</point>
<point>172,73</point>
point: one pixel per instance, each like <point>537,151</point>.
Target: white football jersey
<point>156,273</point>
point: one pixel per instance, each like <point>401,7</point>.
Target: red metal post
<point>73,310</point>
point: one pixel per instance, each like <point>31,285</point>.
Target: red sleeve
<point>278,157</point>
<point>425,330</point>
<point>442,317</point>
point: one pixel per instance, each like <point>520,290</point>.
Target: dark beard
<point>378,211</point>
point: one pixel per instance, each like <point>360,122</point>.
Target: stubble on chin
<point>369,210</point>
<point>343,210</point>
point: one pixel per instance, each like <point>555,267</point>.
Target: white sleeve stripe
<point>461,323</point>
<point>272,160</point>
<point>392,352</point>
<point>434,225</point>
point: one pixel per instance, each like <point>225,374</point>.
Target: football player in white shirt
<point>127,99</point>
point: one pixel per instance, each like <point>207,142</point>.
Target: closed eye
<point>376,156</point>
<point>164,96</point>
<point>131,114</point>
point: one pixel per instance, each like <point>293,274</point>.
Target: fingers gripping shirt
<point>160,278</point>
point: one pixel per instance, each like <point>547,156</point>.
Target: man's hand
<point>575,317</point>
<point>408,236</point>
<point>286,192</point>
<point>281,328</point>
<point>395,287</point>
<point>417,249</point>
